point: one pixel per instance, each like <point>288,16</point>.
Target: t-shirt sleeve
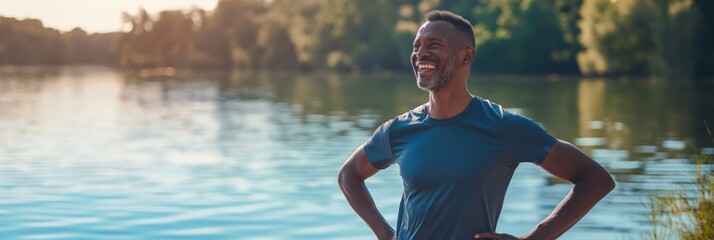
<point>525,140</point>
<point>378,148</point>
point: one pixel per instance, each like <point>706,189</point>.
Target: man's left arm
<point>591,183</point>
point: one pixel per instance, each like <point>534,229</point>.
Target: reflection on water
<point>92,153</point>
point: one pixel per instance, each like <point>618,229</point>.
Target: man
<point>457,153</point>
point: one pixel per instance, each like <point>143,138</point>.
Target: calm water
<point>94,153</point>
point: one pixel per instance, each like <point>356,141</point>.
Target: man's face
<point>435,54</point>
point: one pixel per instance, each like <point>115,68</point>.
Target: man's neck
<point>448,102</point>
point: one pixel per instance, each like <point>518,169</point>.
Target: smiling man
<point>457,153</point>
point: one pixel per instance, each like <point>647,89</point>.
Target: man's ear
<point>469,53</point>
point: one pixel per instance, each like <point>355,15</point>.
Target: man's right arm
<point>351,180</point>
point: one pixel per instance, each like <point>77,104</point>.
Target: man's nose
<point>422,52</point>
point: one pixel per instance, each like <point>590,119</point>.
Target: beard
<point>439,79</point>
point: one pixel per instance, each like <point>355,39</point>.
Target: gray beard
<point>440,79</point>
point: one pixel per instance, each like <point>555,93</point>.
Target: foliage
<point>535,35</point>
<point>28,41</point>
<point>90,48</point>
<point>165,41</point>
<point>668,38</point>
<point>681,213</point>
<point>690,216</point>
<point>639,37</point>
<point>704,62</point>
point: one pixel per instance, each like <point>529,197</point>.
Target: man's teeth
<point>426,66</point>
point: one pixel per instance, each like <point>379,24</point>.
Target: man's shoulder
<point>491,108</point>
<point>416,115</point>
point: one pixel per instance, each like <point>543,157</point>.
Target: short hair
<point>459,22</point>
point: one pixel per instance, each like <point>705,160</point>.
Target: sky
<point>91,15</point>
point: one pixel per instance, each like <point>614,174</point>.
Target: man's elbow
<point>609,183</point>
<point>341,177</point>
<point>603,183</point>
<point>345,176</point>
<point>599,182</point>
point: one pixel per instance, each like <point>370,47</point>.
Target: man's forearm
<point>361,201</point>
<point>574,206</point>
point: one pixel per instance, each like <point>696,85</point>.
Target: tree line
<point>667,38</point>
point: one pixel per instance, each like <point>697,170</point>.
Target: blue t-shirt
<point>455,171</point>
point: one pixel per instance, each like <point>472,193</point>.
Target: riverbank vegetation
<point>689,212</point>
<point>665,38</point>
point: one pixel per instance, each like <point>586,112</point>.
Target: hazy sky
<point>90,15</point>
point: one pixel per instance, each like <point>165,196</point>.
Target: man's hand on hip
<point>490,235</point>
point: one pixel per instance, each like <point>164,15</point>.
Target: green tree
<point>172,35</point>
<point>29,42</point>
<point>704,50</point>
<point>135,46</point>
<point>278,51</point>
<point>308,24</point>
<point>364,36</point>
<point>166,41</point>
<point>93,48</point>
<point>639,37</point>
<point>233,30</point>
<point>523,37</point>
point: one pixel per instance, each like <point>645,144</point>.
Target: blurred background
<point>229,119</point>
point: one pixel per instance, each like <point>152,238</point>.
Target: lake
<point>97,153</point>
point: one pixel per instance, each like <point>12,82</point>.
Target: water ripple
<point>101,155</point>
